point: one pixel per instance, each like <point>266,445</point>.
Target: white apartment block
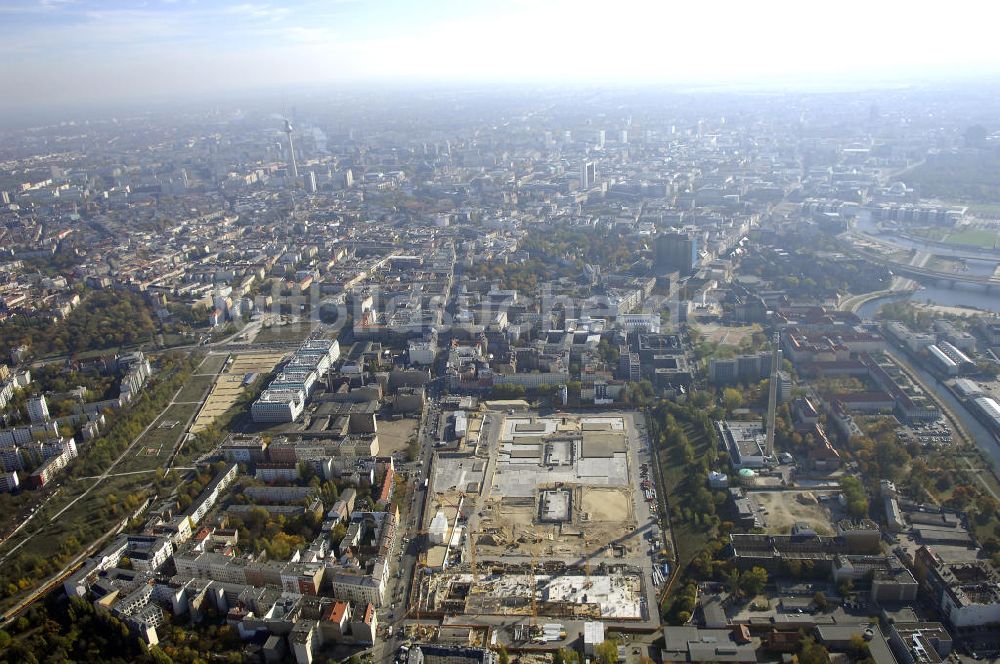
<point>278,406</point>
<point>38,409</point>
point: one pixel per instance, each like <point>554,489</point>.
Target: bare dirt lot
<point>225,392</point>
<point>606,505</point>
<point>724,335</point>
<point>514,523</point>
<point>785,508</point>
<point>394,434</point>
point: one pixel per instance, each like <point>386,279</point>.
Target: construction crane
<point>534,586</point>
<point>472,557</point>
<point>416,570</point>
<point>458,509</point>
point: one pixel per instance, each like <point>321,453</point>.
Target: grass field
<point>195,388</point>
<point>213,364</point>
<point>289,332</point>
<point>931,233</point>
<point>972,236</point>
<point>985,210</point>
<point>161,440</point>
<point>979,237</point>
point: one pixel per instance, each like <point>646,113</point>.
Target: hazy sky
<point>58,51</point>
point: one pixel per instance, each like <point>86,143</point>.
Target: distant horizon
<point>85,54</point>
<point>275,98</point>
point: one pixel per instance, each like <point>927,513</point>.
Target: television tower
<point>291,150</point>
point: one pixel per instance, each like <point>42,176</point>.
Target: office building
<point>588,174</point>
<point>748,368</point>
<point>677,252</point>
<point>285,397</point>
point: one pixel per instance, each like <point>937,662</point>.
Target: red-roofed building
<point>334,620</point>
<point>388,484</point>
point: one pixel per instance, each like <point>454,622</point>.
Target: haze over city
<point>85,52</point>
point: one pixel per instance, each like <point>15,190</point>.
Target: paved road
<point>412,519</point>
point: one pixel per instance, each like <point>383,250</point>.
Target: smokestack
<point>772,401</point>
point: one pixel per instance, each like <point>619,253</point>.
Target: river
<point>962,295</point>
<point>951,297</point>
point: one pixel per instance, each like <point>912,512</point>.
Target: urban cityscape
<point>471,374</point>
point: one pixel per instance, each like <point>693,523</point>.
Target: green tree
<point>752,581</point>
<point>732,398</point>
<point>606,652</point>
<point>158,656</point>
<point>565,656</point>
<point>811,652</point>
<point>854,494</point>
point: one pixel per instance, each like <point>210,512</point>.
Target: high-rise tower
<point>588,174</point>
<point>677,251</point>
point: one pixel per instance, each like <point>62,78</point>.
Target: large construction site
<point>542,516</point>
<point>514,591</point>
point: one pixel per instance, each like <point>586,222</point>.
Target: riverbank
<point>856,302</point>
